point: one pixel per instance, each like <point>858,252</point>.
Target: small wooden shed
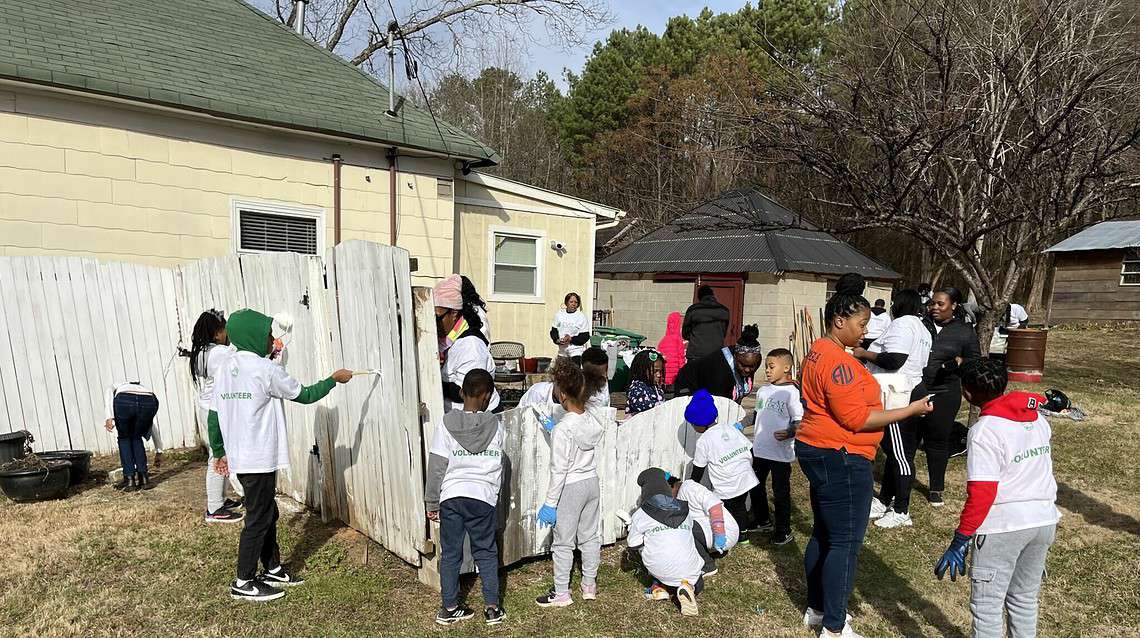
<point>1096,277</point>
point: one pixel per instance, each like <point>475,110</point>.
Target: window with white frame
<point>268,228</point>
<point>516,262</point>
<point>1130,268</point>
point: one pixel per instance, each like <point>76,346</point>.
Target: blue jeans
<point>841,491</point>
<point>134,418</point>
<point>459,517</point>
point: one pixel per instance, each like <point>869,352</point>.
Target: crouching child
<point>465,470</point>
<point>714,528</point>
<point>247,437</point>
<point>1010,515</point>
<point>661,529</point>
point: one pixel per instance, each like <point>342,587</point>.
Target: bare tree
<point>439,31</point>
<point>986,129</point>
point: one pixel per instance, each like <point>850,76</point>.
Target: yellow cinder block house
<point>160,134</point>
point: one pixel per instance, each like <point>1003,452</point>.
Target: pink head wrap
<point>449,293</point>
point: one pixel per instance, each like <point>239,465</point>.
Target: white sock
<point>274,570</point>
<point>241,583</point>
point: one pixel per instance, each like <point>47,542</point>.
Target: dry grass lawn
<point>103,563</point>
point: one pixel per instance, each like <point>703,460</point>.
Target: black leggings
<point>934,430</point>
<point>900,441</point>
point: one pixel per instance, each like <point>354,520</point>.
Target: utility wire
<point>407,68</point>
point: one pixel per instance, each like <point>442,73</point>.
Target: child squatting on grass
<point>573,500</point>
<point>465,471</point>
<point>1010,516</point>
<point>247,437</point>
<point>661,530</point>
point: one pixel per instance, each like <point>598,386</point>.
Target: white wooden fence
<point>71,327</point>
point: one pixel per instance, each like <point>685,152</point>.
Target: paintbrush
<point>372,371</point>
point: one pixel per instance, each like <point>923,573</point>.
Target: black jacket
<point>711,372</point>
<point>957,339</point>
<point>706,324</point>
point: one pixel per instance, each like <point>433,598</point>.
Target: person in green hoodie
<point>246,426</point>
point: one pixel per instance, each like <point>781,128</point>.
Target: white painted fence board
<point>18,392</point>
<point>65,343</point>
<point>47,422</point>
<point>85,358</point>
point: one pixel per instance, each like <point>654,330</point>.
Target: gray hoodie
<point>572,457</point>
<point>474,431</point>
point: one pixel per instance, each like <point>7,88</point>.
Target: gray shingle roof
<point>221,57</point>
<point>743,230</point>
<point>1103,236</point>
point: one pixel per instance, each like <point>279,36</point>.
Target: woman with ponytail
<point>727,372</point>
<point>835,446</point>
<point>209,350</point>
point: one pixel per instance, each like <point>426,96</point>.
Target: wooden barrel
<point>1025,354</point>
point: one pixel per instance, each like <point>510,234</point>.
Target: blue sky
<point>628,13</point>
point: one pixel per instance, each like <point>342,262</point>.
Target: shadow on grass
<point>893,597</point>
<point>310,539</point>
<point>1094,511</point>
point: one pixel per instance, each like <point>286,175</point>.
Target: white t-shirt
<point>701,501</point>
<point>541,396</point>
<point>905,334</point>
<point>1019,457</point>
<point>777,407</point>
<point>726,454</point>
<point>252,421</point>
<point>668,553</point>
<point>1017,314</point>
<point>209,363</point>
<point>465,355</point>
<point>476,476</point>
<point>878,324</point>
<point>571,324</point>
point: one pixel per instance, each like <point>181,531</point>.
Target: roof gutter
<point>610,224</point>
<point>234,121</point>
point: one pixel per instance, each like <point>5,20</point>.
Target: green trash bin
<point>620,381</point>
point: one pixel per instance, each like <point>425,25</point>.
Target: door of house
<point>729,291</point>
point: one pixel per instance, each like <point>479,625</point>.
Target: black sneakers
<point>935,499</point>
<point>280,578</point>
<point>782,538</point>
<point>494,615</point>
<point>224,515</point>
<point>233,504</point>
<point>452,616</point>
<point>255,591</point>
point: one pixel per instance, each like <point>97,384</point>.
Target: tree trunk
<point>1035,304</point>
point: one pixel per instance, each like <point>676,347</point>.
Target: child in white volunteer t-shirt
<point>661,530</point>
<point>465,469</point>
<point>778,414</point>
<point>714,529</point>
<point>724,451</point>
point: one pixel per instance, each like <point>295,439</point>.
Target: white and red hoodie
<point>1009,468</point>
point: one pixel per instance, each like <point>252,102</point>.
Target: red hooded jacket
<point>672,347</point>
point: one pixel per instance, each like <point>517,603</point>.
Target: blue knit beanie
<point>701,411</point>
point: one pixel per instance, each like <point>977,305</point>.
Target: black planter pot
<point>80,462</point>
<point>37,483</point>
<point>12,446</point>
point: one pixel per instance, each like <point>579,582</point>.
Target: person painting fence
<point>462,345</point>
<point>247,437</point>
<point>210,347</point>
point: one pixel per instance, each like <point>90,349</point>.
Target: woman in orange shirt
<point>835,445</point>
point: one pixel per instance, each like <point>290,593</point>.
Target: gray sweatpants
<point>1005,578</point>
<point>215,483</point>
<point>577,526</point>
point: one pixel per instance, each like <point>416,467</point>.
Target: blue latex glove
<point>547,516</point>
<point>739,426</point>
<point>548,424</point>
<point>719,542</point>
<point>954,560</point>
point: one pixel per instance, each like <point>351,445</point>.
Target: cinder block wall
<point>641,305</point>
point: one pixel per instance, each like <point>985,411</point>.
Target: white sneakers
<point>847,632</point>
<point>813,618</point>
<point>894,519</point>
<point>878,510</point>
